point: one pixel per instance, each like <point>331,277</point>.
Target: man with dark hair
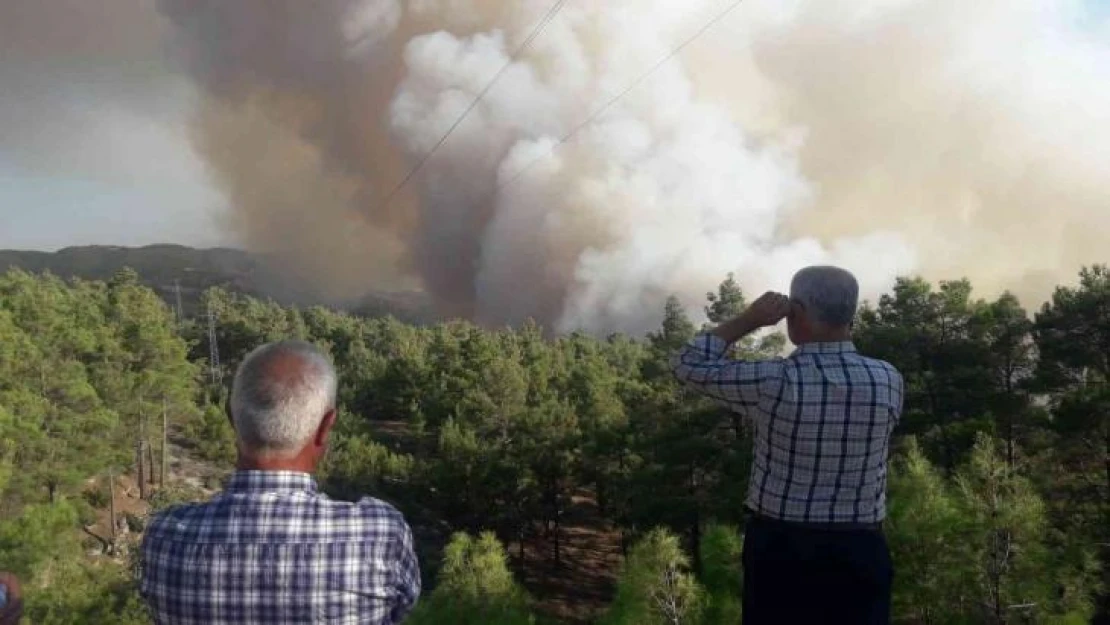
<point>271,548</point>
<point>814,551</point>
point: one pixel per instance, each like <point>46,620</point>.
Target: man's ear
<point>326,425</point>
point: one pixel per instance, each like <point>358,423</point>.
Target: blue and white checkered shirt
<point>823,419</point>
<point>271,549</point>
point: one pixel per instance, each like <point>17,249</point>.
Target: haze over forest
<point>891,136</point>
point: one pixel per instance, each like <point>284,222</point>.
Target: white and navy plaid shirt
<point>823,418</point>
<point>271,549</point>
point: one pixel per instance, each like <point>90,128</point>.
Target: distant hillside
<point>163,266</point>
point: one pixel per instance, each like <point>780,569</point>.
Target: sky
<point>47,211</point>
<point>93,118</point>
<point>120,175</point>
<point>143,185</point>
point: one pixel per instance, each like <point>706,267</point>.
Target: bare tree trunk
<point>139,472</point>
<point>1011,407</point>
<point>558,543</point>
<point>1106,463</point>
<point>112,505</point>
<point>695,521</point>
<point>521,531</point>
<point>695,540</point>
<point>1010,450</point>
<point>150,463</point>
<point>165,444</point>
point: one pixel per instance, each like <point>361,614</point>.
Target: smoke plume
<point>890,136</point>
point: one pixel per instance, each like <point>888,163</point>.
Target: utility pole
<point>112,505</point>
<point>139,468</point>
<point>150,477</point>
<point>213,348</point>
<point>180,308</point>
<point>165,444</point>
<point>140,474</point>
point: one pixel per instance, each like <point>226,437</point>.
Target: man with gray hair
<point>271,548</point>
<point>814,551</point>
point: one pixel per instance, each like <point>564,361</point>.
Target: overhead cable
<point>536,31</point>
<point>608,105</point>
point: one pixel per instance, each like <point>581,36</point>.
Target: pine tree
<point>1073,338</point>
<point>1007,542</point>
<point>936,338</point>
<point>1009,336</point>
<point>475,587</point>
<point>722,574</point>
<point>656,586</point>
<point>927,534</point>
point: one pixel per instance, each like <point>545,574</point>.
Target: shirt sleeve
<point>704,367</point>
<point>406,579</point>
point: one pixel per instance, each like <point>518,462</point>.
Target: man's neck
<point>297,464</point>
<point>832,336</point>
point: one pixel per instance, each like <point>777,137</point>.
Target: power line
<point>536,30</point>
<point>608,105</point>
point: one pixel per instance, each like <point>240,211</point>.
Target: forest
<point>561,479</point>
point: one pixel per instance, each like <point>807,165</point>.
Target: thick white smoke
<point>945,137</point>
<point>890,136</point>
<point>664,193</point>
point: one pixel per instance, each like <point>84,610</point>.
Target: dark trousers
<point>803,576</point>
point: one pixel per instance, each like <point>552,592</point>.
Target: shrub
<point>135,523</point>
<point>96,496</point>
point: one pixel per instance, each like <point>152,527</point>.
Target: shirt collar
<point>270,481</point>
<point>836,347</point>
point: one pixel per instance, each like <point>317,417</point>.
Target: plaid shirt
<point>823,419</point>
<point>271,549</point>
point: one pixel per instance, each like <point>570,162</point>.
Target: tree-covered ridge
<point>497,444</point>
<point>181,274</point>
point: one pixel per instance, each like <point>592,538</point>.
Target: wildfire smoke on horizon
<point>888,136</point>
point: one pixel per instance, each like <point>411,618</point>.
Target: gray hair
<point>280,395</point>
<point>829,294</point>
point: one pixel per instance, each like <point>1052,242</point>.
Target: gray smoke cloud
<point>889,136</point>
<point>89,99</point>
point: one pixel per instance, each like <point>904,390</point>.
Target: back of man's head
<point>830,295</point>
<point>281,394</point>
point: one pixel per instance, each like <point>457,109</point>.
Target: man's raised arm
<point>703,365</point>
